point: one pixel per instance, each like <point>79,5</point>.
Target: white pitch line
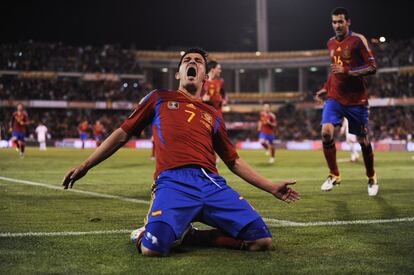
<point>283,223</point>
<point>55,187</point>
<point>63,233</point>
<point>271,223</point>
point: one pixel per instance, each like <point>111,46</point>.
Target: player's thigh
<point>332,113</point>
<point>174,208</point>
<point>228,211</point>
<point>357,120</point>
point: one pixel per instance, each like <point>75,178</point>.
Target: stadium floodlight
<point>182,53</point>
<point>242,71</point>
<point>382,39</point>
<point>164,70</point>
<point>278,70</point>
<point>313,69</point>
<point>258,53</point>
<point>125,85</point>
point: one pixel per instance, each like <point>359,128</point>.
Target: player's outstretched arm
<point>110,145</point>
<point>280,190</point>
<point>319,94</point>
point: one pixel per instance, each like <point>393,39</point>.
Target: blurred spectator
<point>65,58</point>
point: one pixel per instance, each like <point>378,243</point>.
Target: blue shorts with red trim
<point>267,137</point>
<point>19,135</point>
<point>357,115</point>
<point>187,194</point>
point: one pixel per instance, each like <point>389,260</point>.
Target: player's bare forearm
<point>280,190</point>
<point>246,172</point>
<point>318,95</point>
<point>115,141</point>
<point>363,71</point>
<point>108,147</point>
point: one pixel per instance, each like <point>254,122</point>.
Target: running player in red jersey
<point>187,188</point>
<point>352,59</point>
<point>83,129</point>
<point>18,127</point>
<point>98,132</point>
<point>214,87</point>
<point>266,126</point>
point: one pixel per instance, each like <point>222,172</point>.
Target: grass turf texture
<point>366,248</point>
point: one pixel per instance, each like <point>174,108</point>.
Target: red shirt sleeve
<point>222,144</point>
<point>366,53</point>
<point>142,116</point>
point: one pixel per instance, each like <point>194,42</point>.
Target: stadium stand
<point>62,85</point>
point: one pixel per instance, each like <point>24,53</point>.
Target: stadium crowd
<point>59,57</point>
<point>395,53</point>
<point>71,89</point>
<point>392,123</point>
<point>293,124</point>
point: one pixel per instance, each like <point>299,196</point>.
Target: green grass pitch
<point>347,248</point>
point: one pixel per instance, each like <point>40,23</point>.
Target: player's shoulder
<point>152,95</point>
<point>331,40</point>
<point>359,36</point>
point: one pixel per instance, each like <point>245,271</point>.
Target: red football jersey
<point>353,53</point>
<point>265,119</point>
<point>186,131</point>
<point>214,88</point>
<point>19,120</point>
<point>98,129</point>
<point>84,126</point>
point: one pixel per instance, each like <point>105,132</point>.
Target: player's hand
<point>206,97</point>
<point>318,97</point>
<point>338,69</point>
<point>283,192</point>
<point>73,175</point>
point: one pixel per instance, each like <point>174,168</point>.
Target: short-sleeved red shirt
<point>353,53</point>
<point>19,121</point>
<point>265,119</point>
<point>186,131</point>
<point>214,89</point>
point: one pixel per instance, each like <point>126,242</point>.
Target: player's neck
<point>340,38</point>
<point>195,96</point>
<point>211,76</point>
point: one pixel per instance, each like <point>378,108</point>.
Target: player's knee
<point>262,244</point>
<point>158,239</point>
<point>327,136</point>
<point>149,253</point>
<point>363,141</point>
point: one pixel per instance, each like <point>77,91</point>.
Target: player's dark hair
<point>340,10</point>
<point>211,65</point>
<point>200,51</point>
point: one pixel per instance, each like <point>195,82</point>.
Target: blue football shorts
<point>267,137</point>
<point>357,115</point>
<point>18,135</point>
<point>188,194</point>
<point>84,136</point>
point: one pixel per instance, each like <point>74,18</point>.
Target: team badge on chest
<point>173,105</point>
<point>346,53</point>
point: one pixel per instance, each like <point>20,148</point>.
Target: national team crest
<point>173,105</point>
<point>207,117</point>
<point>346,53</point>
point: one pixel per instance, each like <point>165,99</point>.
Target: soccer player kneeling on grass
<point>188,188</point>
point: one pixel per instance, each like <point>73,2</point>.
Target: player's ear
<point>177,75</point>
<point>348,22</point>
<point>205,77</point>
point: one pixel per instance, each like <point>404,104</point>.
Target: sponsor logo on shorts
<point>156,213</point>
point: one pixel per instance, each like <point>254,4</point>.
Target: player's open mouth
<point>191,72</point>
